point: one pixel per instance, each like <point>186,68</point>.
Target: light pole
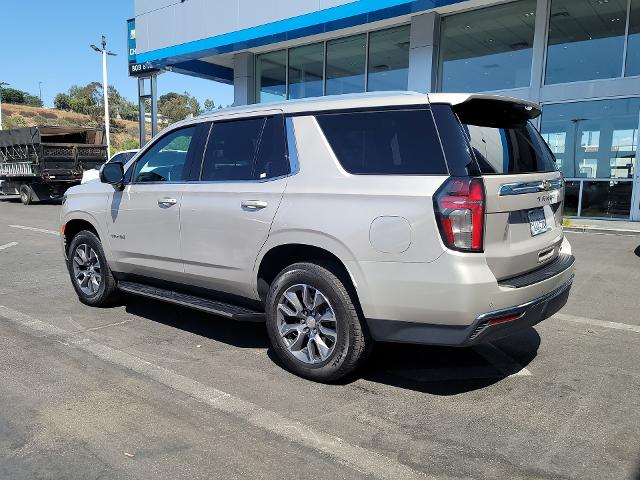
<point>40,89</point>
<point>105,90</point>
<point>1,85</point>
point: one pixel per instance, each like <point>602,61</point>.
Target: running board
<point>214,307</point>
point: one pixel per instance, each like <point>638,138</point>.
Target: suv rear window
<point>515,149</point>
<point>390,142</point>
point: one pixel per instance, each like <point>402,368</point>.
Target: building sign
<point>135,68</point>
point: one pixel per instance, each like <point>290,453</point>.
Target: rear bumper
<point>486,328</point>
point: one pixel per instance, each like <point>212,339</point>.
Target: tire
<point>285,326</point>
<point>84,250</point>
<point>27,197</point>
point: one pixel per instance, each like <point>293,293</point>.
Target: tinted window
<point>235,152</point>
<point>398,142</point>
<point>272,160</point>
<point>165,160</point>
<point>516,149</point>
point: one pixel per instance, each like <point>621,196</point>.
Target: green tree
<point>209,105</point>
<point>90,101</point>
<point>32,100</point>
<point>12,95</point>
<point>120,107</point>
<point>86,99</point>
<point>177,106</point>
<point>62,101</point>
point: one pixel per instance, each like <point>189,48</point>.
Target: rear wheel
<point>90,274</point>
<point>313,324</point>
<point>27,196</point>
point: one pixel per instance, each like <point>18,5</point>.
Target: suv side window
<point>388,142</point>
<point>165,161</point>
<point>249,149</point>
<point>272,160</point>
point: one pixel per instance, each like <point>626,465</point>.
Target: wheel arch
<point>73,227</point>
<point>278,257</point>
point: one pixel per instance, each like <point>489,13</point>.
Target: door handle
<point>167,202</point>
<point>253,204</point>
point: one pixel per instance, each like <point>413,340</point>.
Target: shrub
<point>14,121</point>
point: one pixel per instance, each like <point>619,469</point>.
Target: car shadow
<point>637,251</point>
<point>428,369</point>
<point>231,332</point>
<point>451,370</point>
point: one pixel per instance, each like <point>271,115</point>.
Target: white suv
<point>403,217</point>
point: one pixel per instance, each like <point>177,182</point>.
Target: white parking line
<point>598,323</point>
<point>8,245</point>
<point>34,229</point>
<point>365,461</point>
<point>109,325</point>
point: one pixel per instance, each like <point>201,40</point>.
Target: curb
<point>610,231</point>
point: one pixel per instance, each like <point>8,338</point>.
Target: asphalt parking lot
<point>150,390</point>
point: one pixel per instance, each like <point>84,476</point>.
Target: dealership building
<point>580,59</point>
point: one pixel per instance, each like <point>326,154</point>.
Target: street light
<point>1,85</point>
<point>40,88</point>
<point>105,91</point>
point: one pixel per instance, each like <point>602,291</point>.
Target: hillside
<point>124,133</point>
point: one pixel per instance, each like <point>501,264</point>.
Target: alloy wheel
<point>306,322</point>
<point>86,269</point>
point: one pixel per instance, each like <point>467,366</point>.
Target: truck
<point>41,163</point>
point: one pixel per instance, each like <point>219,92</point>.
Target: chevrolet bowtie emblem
<point>546,185</point>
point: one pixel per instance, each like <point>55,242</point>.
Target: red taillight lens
<point>459,208</point>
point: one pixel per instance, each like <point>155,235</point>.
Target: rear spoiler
<point>495,111</point>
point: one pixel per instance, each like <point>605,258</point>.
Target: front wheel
<point>313,323</point>
<point>27,196</point>
<point>90,274</point>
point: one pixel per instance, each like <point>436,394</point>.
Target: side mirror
<point>113,174</point>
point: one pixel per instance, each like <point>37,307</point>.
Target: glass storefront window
<point>606,199</point>
<point>389,59</point>
<point>346,65</point>
<point>306,71</point>
<point>571,198</point>
<point>336,66</point>
<point>595,139</point>
<point>487,49</point>
<point>633,40</point>
<point>586,40</point>
<point>271,76</point>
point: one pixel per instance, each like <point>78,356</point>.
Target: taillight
<point>459,206</point>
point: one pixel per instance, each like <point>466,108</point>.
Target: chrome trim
<point>523,307</point>
<point>521,188</point>
<point>198,182</point>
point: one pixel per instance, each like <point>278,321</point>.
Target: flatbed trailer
<point>41,163</point>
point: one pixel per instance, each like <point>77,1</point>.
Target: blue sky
<point>48,41</point>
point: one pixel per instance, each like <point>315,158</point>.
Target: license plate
<point>537,221</point>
